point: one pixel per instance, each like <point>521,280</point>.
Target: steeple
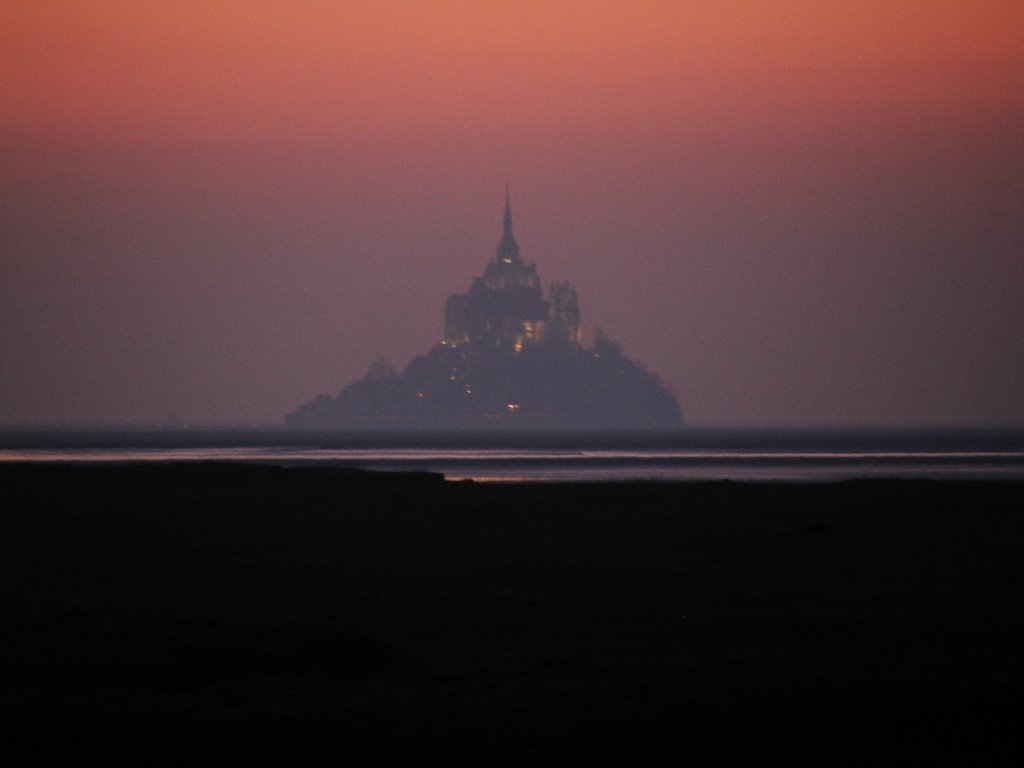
<point>508,248</point>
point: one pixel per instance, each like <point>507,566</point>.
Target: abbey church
<point>506,305</point>
<point>510,358</point>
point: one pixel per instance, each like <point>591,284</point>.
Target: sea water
<point>684,455</point>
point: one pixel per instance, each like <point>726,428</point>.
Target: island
<point>509,359</point>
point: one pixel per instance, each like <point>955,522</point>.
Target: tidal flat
<point>308,612</point>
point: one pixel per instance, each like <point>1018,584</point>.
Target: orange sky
<point>293,71</point>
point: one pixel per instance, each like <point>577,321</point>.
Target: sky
<point>794,212</point>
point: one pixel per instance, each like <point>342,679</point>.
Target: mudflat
<point>299,612</point>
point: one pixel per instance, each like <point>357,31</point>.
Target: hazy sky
<point>794,212</point>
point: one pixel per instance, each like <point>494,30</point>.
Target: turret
<point>565,313</point>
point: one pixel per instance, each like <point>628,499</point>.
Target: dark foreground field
<point>157,610</point>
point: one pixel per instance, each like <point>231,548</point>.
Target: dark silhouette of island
<point>510,358</point>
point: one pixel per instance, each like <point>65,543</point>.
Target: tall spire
<point>508,248</point>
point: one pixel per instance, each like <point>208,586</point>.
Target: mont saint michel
<point>510,357</point>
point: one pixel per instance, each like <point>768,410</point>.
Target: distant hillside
<point>545,386</point>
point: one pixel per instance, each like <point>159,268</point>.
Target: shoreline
<point>514,466</point>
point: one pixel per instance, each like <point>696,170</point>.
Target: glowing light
<point>512,407</point>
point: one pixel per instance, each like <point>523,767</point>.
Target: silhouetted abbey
<point>509,358</point>
<point>505,306</point>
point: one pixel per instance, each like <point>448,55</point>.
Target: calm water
<point>789,455</point>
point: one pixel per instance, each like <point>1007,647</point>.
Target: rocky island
<point>510,358</point>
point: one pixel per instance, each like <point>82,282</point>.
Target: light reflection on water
<point>556,465</point>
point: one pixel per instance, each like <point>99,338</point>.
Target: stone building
<point>505,307</point>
